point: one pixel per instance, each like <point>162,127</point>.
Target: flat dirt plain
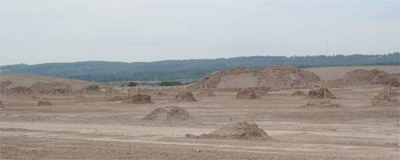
<point>92,127</point>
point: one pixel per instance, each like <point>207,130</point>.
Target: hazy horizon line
<point>287,56</point>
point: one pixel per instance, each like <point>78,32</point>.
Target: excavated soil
<point>44,103</point>
<point>279,76</point>
<point>139,99</point>
<point>238,130</point>
<point>50,88</point>
<point>168,114</point>
<point>246,94</point>
<point>321,93</point>
<point>387,98</point>
<point>185,96</point>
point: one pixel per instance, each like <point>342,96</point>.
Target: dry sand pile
<point>321,93</point>
<point>206,93</point>
<point>280,76</point>
<point>362,77</point>
<point>238,130</point>
<point>168,114</point>
<point>247,93</point>
<point>299,93</point>
<point>139,99</point>
<point>322,104</point>
<point>385,98</point>
<point>44,103</point>
<point>185,96</point>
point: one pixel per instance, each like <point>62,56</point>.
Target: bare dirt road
<point>91,127</point>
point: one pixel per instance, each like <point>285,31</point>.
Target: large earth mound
<point>185,96</point>
<point>362,77</point>
<point>279,76</point>
<point>50,88</point>
<point>238,130</point>
<point>139,99</point>
<point>33,84</point>
<point>171,113</point>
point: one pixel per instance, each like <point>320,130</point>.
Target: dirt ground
<point>91,127</point>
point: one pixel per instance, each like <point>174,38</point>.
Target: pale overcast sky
<point>35,32</point>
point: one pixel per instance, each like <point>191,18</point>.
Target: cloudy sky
<point>35,32</point>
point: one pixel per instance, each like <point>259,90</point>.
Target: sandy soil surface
<point>332,73</point>
<point>91,127</point>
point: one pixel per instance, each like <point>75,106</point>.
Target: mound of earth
<point>206,93</point>
<point>185,96</point>
<point>362,77</point>
<point>238,130</point>
<point>247,93</point>
<point>44,103</point>
<point>299,93</point>
<point>321,93</point>
<point>322,104</point>
<point>92,89</point>
<point>139,99</point>
<point>279,76</point>
<point>50,88</point>
<point>385,98</point>
<point>33,84</point>
<point>171,113</point>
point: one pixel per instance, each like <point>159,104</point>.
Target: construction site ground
<point>92,127</point>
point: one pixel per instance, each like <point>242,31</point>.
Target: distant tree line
<point>101,71</point>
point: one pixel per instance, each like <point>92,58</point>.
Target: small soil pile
<point>238,130</point>
<point>171,113</point>
<point>44,103</point>
<point>206,93</point>
<point>386,99</point>
<point>322,104</point>
<point>246,94</point>
<point>362,77</point>
<point>117,98</point>
<point>299,93</point>
<point>50,88</point>
<point>185,96</point>
<point>321,93</point>
<point>92,89</point>
<point>139,99</point>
